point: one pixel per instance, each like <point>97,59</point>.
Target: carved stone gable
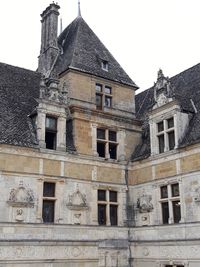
<point>77,201</point>
<point>21,196</point>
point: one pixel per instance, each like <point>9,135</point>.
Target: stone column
<point>41,118</point>
<point>61,133</point>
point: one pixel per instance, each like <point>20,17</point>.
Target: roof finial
<point>79,8</point>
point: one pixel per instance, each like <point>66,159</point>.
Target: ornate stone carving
<point>19,215</point>
<point>162,90</point>
<point>144,203</point>
<point>197,195</point>
<point>21,197</point>
<point>77,201</point>
<point>51,91</point>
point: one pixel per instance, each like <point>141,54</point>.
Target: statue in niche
<point>21,197</point>
<point>144,203</point>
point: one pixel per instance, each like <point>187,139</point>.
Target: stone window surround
<point>61,128</point>
<point>163,115</point>
<point>107,142</point>
<point>107,202</point>
<point>58,210</point>
<point>170,200</point>
<point>120,140</point>
<point>121,192</point>
<point>103,94</point>
<point>166,130</point>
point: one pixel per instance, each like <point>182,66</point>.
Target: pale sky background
<point>143,35</point>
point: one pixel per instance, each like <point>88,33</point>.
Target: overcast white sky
<point>143,35</point>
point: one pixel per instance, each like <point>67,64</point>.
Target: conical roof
<point>82,50</point>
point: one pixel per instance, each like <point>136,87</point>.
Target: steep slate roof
<point>82,50</point>
<point>18,90</point>
<point>186,86</point>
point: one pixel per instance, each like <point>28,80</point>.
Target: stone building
<point>90,174</point>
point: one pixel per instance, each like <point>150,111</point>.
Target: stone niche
<point>20,200</point>
<point>77,204</point>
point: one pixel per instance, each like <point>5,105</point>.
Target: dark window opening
<point>50,132</point>
<point>102,214</point>
<point>48,211</point>
<point>160,126</point>
<point>164,192</point>
<point>101,134</point>
<point>176,211</point>
<point>113,151</point>
<point>175,190</point>
<point>102,195</point>
<point>49,189</point>
<point>171,138</point>
<point>113,214</point>
<point>101,149</point>
<point>170,123</point>
<point>113,196</point>
<point>50,140</point>
<point>161,143</point>
<point>99,101</point>
<point>165,212</point>
<point>112,136</point>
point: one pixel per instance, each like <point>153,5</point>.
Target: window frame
<point>163,135</point>
<point>49,130</point>
<point>170,199</point>
<point>108,206</point>
<point>107,143</point>
<point>103,95</point>
<point>50,199</point>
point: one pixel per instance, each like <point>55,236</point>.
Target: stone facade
<point>110,206</point>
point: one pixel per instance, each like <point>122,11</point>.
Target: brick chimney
<point>49,47</point>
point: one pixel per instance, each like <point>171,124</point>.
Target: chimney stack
<point>49,47</point>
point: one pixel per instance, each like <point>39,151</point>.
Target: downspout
<point>129,212</point>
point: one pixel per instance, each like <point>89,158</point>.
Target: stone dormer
<point>162,90</point>
<point>167,120</point>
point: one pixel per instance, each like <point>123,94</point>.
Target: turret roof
<point>82,50</point>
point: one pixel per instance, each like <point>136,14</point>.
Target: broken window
<point>48,207</point>
<point>50,132</point>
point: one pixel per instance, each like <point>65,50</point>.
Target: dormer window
<point>104,65</point>
<point>166,135</point>
<point>51,132</point>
